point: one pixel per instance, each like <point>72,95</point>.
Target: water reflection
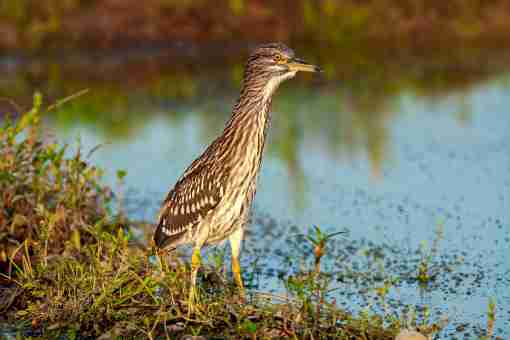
<point>349,112</point>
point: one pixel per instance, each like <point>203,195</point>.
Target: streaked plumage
<point>212,199</point>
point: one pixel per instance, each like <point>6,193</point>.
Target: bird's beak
<point>296,64</point>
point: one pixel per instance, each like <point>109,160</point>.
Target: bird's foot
<point>242,296</point>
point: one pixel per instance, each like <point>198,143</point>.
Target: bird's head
<point>273,63</point>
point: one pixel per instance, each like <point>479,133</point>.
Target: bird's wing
<point>193,197</point>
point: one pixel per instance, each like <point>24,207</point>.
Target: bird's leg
<point>236,269</point>
<point>235,244</point>
<point>195,265</point>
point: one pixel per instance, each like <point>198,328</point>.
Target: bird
<point>211,201</point>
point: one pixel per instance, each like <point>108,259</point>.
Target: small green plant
<point>491,319</point>
<point>319,241</point>
<point>424,272</point>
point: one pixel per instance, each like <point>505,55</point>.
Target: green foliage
<point>425,273</point>
<point>319,240</point>
<point>48,197</point>
<point>491,319</point>
<point>121,174</point>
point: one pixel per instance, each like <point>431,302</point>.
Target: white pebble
<point>410,335</point>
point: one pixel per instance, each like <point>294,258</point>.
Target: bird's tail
<point>161,240</point>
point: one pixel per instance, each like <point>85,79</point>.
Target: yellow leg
<point>236,270</point>
<point>196,260</point>
<point>235,244</point>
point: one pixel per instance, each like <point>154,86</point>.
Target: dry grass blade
<point>67,99</point>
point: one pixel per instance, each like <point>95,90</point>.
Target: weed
<point>425,273</point>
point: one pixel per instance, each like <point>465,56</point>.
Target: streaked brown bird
<point>212,199</point>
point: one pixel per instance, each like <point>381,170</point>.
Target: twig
<point>60,102</point>
<point>11,102</point>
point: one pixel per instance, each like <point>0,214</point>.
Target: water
<point>395,150</point>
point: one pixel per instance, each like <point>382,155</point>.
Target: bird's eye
<point>278,58</point>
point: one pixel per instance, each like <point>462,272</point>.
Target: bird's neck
<point>244,136</point>
<point>245,132</point>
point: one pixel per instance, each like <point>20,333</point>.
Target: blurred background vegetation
<point>36,25</point>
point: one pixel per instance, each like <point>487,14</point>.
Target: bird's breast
<point>241,153</point>
<point>233,210</point>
